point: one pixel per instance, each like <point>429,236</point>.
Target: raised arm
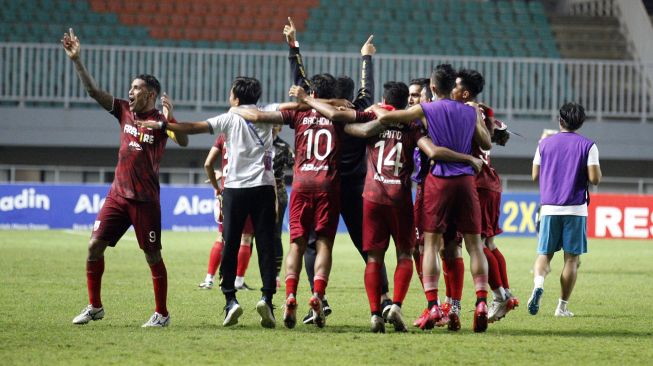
<point>325,109</point>
<point>295,58</point>
<point>404,116</point>
<point>256,116</point>
<point>180,139</point>
<point>365,96</point>
<point>435,152</point>
<point>72,47</point>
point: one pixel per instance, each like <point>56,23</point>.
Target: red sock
<point>319,284</point>
<point>458,278</point>
<point>502,267</point>
<point>291,283</point>
<point>448,284</point>
<point>494,275</point>
<point>215,257</point>
<point>480,284</point>
<point>160,281</point>
<point>403,275</point>
<point>431,295</point>
<point>244,253</point>
<point>373,285</point>
<point>94,271</point>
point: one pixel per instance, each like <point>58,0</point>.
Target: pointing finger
<point>291,23</point>
<point>369,40</point>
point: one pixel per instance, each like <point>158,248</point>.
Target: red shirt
<point>141,149</point>
<point>317,151</point>
<point>221,145</point>
<point>390,164</point>
<point>487,178</point>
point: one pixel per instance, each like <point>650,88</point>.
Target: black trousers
<point>351,210</point>
<point>282,203</point>
<point>237,204</point>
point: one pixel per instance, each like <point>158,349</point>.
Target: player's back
<point>390,163</point>
<point>451,124</point>
<point>317,151</point>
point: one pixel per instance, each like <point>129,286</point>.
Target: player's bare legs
<point>541,269</point>
<point>567,282</point>
<point>478,266</point>
<point>293,269</point>
<point>431,276</point>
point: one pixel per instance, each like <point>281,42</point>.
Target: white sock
<point>239,281</point>
<point>562,304</point>
<point>208,278</point>
<point>539,281</point>
<point>499,294</point>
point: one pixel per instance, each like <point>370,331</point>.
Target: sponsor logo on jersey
<point>133,145</point>
<point>385,180</point>
<point>313,168</point>
<point>89,205</point>
<point>193,206</point>
<point>142,136</point>
<point>28,198</point>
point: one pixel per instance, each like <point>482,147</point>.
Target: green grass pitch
<point>42,287</point>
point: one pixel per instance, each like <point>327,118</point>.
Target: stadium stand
<point>592,37</point>
<point>490,28</point>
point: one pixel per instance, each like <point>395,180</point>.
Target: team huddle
<point>353,157</point>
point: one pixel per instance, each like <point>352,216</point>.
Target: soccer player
<point>564,165</point>
<point>219,149</point>
<point>249,191</point>
<point>352,162</point>
<point>470,83</point>
<point>387,202</point>
<point>450,196</point>
<point>419,91</point>
<point>134,195</point>
<point>315,198</point>
<point>284,157</point>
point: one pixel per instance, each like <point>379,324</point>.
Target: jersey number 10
<point>313,143</point>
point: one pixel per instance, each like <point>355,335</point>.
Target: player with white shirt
<point>564,165</point>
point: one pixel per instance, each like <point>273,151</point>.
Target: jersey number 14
<point>387,160</point>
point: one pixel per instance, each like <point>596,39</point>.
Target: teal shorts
<point>566,232</point>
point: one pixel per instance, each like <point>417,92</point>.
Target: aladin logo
<point>194,206</point>
<point>26,199</point>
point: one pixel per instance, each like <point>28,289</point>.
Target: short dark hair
<point>472,81</point>
<point>425,84</point>
<point>444,78</point>
<point>151,82</point>
<point>572,116</point>
<point>324,85</point>
<point>246,89</point>
<point>345,87</point>
<point>395,94</point>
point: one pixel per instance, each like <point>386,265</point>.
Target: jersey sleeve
<point>593,157</point>
<point>297,69</point>
<point>365,116</point>
<point>217,124</point>
<point>538,159</point>
<point>365,95</point>
<point>118,106</point>
<point>288,118</point>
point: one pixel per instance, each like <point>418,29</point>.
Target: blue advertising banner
<point>44,206</point>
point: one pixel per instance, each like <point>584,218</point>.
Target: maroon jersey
<point>390,164</point>
<point>141,149</point>
<point>487,178</point>
<point>221,145</point>
<point>317,151</point>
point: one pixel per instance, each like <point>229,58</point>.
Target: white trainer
<point>206,285</point>
<point>233,312</point>
<point>158,321</point>
<point>498,310</point>
<point>267,316</point>
<point>565,313</point>
<point>89,313</point>
<point>378,325</point>
<point>395,318</point>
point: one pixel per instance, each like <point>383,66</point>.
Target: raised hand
<point>298,92</point>
<point>167,107</point>
<point>290,32</point>
<point>71,44</point>
<point>368,48</point>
